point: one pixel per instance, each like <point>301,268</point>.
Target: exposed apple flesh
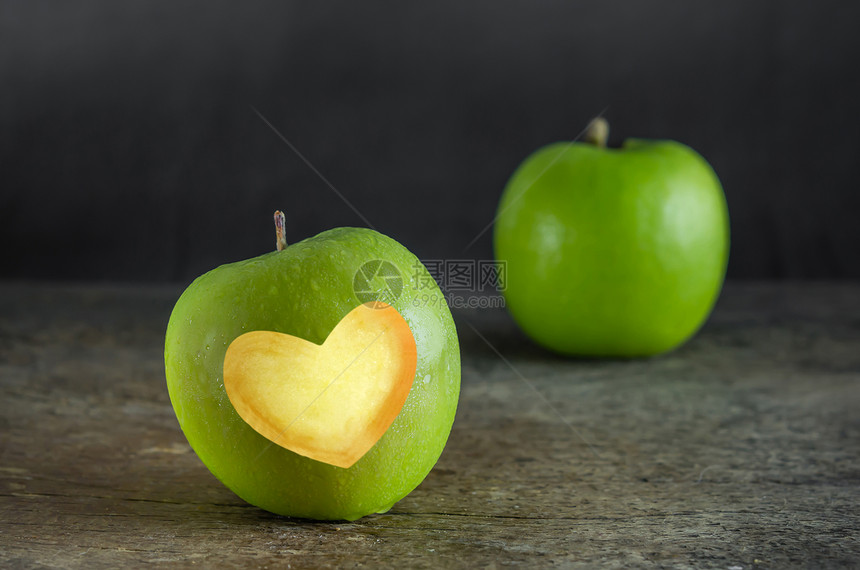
<point>329,402</point>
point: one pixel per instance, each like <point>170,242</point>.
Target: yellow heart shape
<point>330,402</point>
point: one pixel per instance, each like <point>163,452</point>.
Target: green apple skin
<point>612,252</point>
<point>305,290</point>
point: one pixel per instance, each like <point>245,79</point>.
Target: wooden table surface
<point>739,450</point>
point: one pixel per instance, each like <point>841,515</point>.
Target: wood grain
<point>741,449</point>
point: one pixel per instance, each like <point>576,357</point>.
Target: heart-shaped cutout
<point>330,402</point>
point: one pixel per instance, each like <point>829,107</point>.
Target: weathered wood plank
<point>740,449</point>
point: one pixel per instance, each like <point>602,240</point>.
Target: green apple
<point>616,252</point>
<point>304,291</point>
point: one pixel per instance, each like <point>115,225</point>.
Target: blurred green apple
<point>612,252</point>
<point>305,290</point>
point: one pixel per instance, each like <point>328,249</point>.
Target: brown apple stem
<point>597,132</point>
<point>280,230</point>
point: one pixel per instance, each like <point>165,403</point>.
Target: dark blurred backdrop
<point>131,148</point>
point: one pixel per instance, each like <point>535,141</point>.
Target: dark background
<point>131,150</point>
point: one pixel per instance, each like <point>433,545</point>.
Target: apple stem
<point>280,230</point>
<point>597,132</point>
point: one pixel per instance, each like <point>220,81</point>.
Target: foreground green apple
<point>305,291</point>
<point>612,252</point>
